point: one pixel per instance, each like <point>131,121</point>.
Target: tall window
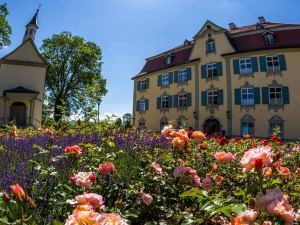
<point>247,128</point>
<point>163,122</point>
<point>142,123</point>
<point>247,96</point>
<point>272,63</point>
<point>245,66</point>
<point>182,122</point>
<point>276,123</point>
<point>143,85</point>
<point>211,46</point>
<point>275,94</point>
<point>165,102</point>
<point>212,98</point>
<point>182,75</point>
<point>142,106</point>
<point>247,125</point>
<point>182,100</point>
<point>165,79</point>
<point>212,70</point>
<point>269,39</point>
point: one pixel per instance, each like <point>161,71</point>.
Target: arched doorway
<point>18,113</point>
<point>212,126</point>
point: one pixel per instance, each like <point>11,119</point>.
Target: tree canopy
<point>74,84</point>
<point>5,29</point>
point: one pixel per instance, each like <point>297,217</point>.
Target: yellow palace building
<point>235,81</point>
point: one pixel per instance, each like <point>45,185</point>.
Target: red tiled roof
<point>255,42</point>
<point>263,26</point>
<point>180,55</point>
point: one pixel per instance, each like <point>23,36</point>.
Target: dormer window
<point>269,39</point>
<point>210,46</point>
<point>168,60</point>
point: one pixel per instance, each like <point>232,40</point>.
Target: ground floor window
<point>276,125</point>
<point>142,123</point>
<point>163,122</point>
<point>182,122</point>
<point>247,125</point>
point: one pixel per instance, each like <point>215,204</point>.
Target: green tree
<point>127,120</point>
<point>74,84</point>
<point>5,29</point>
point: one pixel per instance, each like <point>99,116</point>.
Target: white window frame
<point>182,75</point>
<point>276,101</point>
<point>163,122</point>
<point>143,85</point>
<point>212,70</point>
<point>210,46</point>
<point>142,106</point>
<point>182,100</point>
<point>247,92</point>
<point>273,60</point>
<point>165,79</point>
<point>210,97</point>
<point>164,102</point>
<point>245,62</point>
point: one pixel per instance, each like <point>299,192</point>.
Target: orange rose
<point>198,136</point>
<point>178,142</point>
<point>18,192</point>
<point>267,172</point>
<point>284,171</point>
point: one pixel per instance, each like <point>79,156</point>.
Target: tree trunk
<point>58,109</point>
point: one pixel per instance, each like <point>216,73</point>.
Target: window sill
<point>210,53</point>
<point>246,74</point>
<point>165,86</point>
<point>144,90</point>
<point>216,78</point>
<point>274,72</point>
<point>182,82</point>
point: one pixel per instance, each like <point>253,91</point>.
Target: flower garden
<point>87,175</point>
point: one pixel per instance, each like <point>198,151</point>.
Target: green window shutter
<point>138,106</point>
<point>203,72</point>
<point>147,104</point>
<point>139,85</point>
<point>159,78</point>
<point>237,96</point>
<point>170,77</point>
<point>263,63</point>
<point>147,83</point>
<point>282,63</point>
<point>219,68</point>
<point>189,73</point>
<point>204,98</point>
<point>220,97</point>
<point>256,96</point>
<point>285,95</point>
<point>158,103</point>
<point>265,95</point>
<point>170,98</point>
<point>189,99</point>
<point>175,101</point>
<point>236,66</point>
<point>254,64</point>
<point>176,76</point>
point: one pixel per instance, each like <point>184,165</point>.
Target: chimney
<point>261,19</point>
<point>232,26</point>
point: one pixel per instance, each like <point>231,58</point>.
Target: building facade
<point>236,81</point>
<point>22,80</point>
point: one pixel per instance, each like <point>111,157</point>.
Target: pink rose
<point>156,167</point>
<point>92,199</point>
<point>146,198</point>
<point>107,168</point>
<point>84,179</point>
<point>262,154</point>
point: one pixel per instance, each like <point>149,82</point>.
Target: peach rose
<point>156,167</point>
<point>84,218</point>
<point>91,199</point>
<point>267,172</point>
<point>245,218</point>
<point>224,157</point>
<point>284,171</point>
<point>111,219</point>
<point>261,154</point>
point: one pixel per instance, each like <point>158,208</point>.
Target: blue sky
<point>128,31</point>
